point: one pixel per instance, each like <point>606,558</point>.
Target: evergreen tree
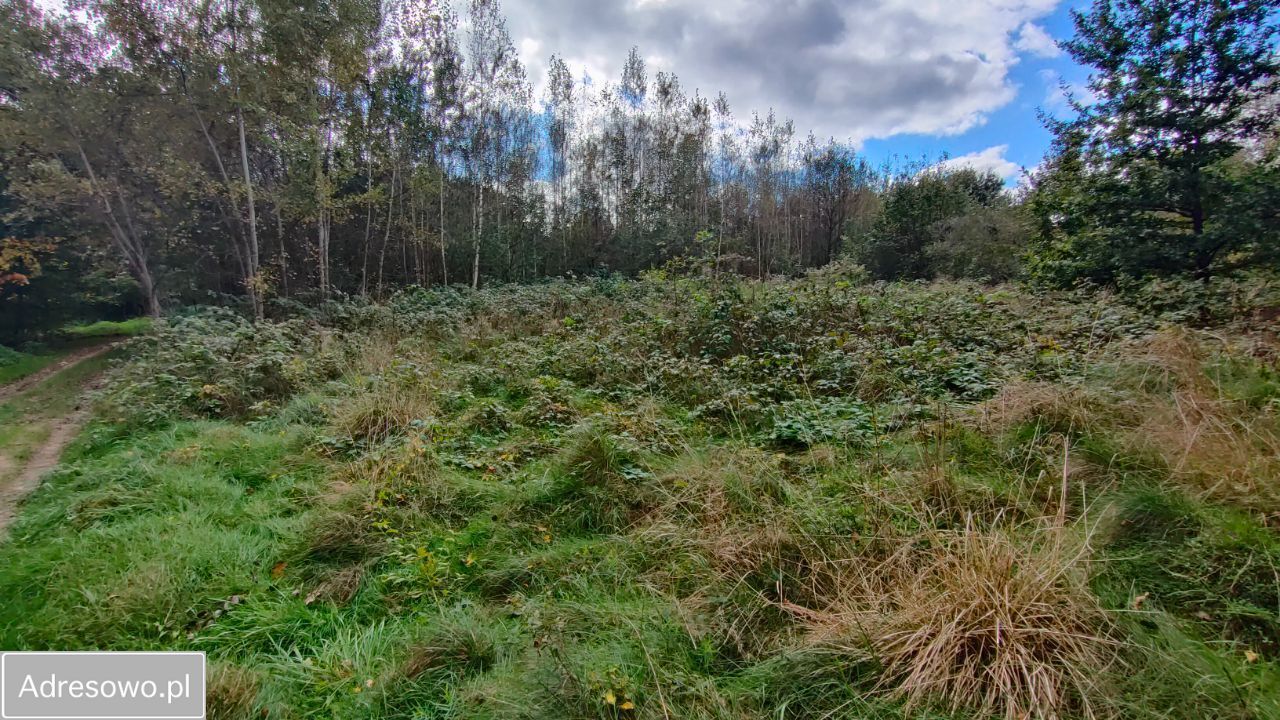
<point>1144,176</point>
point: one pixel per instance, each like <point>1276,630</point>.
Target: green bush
<point>214,363</point>
<point>109,328</point>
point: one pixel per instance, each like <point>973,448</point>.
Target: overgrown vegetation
<point>796,447</point>
<point>683,497</point>
<point>160,155</point>
<point>15,365</point>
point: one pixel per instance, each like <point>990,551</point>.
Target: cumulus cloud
<point>1034,39</point>
<point>992,159</point>
<point>850,69</point>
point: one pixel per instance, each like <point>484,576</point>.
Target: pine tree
<point>1180,88</point>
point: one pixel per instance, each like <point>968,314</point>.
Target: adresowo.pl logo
<point>102,685</point>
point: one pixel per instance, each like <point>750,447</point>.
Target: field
<point>685,498</point>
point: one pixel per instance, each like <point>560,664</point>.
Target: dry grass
<point>1056,408</point>
<point>975,619</point>
<point>1213,446</point>
<point>342,535</point>
<point>386,411</point>
<point>232,693</point>
<point>1164,410</point>
<point>339,587</point>
<point>1216,449</point>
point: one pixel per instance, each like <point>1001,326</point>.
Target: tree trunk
<point>444,261</point>
<point>131,247</point>
<point>386,235</point>
<point>252,279</point>
<point>475,258</point>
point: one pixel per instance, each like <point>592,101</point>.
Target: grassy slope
<point>19,365</point>
<point>109,328</point>
<point>525,519</point>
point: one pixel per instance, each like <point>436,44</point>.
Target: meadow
<point>685,497</point>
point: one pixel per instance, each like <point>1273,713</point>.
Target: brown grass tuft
<point>339,587</point>
<point>1217,449</point>
<point>383,412</point>
<point>977,620</point>
<point>1056,408</point>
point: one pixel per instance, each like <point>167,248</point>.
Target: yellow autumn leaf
<point>610,698</point>
<point>627,705</point>
<point>1250,656</point>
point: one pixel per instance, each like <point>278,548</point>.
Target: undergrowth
<point>681,498</point>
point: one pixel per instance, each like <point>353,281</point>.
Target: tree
<point>916,210</point>
<point>496,88</point>
<point>1142,180</point>
<point>559,106</point>
<point>92,128</point>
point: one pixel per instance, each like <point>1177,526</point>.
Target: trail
<point>75,357</point>
<point>61,432</point>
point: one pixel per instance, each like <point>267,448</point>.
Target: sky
<point>907,79</point>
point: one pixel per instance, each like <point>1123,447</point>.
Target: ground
<point>683,497</point>
<point>40,414</point>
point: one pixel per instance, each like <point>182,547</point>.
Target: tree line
<point>257,151</point>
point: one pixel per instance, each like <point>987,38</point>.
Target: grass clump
<point>16,365</point>
<point>980,620</point>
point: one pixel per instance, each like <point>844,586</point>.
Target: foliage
<point>9,356</point>
<point>109,328</point>
<point>15,366</point>
<point>213,363</point>
<point>954,222</point>
<point>1162,173</point>
<point>984,244</point>
<point>683,496</point>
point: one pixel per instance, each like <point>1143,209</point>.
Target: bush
<point>214,363</point>
<point>979,619</point>
<point>109,328</point>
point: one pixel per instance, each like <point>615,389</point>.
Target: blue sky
<point>1015,124</point>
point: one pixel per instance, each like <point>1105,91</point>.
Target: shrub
<point>826,420</point>
<point>9,357</point>
<point>109,328</point>
<point>214,363</point>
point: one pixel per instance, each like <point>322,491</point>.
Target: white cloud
<point>992,159</point>
<point>851,69</point>
<point>1034,39</point>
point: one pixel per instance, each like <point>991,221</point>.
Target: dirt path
<point>72,359</point>
<point>61,432</point>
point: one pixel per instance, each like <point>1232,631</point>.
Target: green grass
<point>26,419</point>
<point>483,524</point>
<point>109,328</point>
<point>23,364</point>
